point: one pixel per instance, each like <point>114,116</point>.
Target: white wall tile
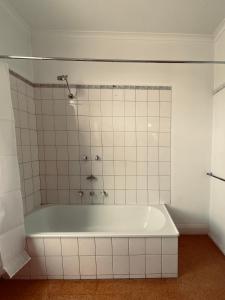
<point>165,95</point>
<point>169,246</point>
<point>120,197</point>
<point>120,246</point>
<point>136,246</point>
<point>103,246</point>
<point>87,265</point>
<point>52,246</point>
<point>169,264</point>
<point>121,265</point>
<point>165,124</point>
<point>153,95</point>
<point>54,265</point>
<point>165,182</point>
<point>165,109</point>
<point>141,94</point>
<point>71,266</point>
<point>131,197</point>
<point>106,94</point>
<point>94,94</point>
<point>69,246</point>
<point>165,197</point>
<point>153,264</point>
<point>104,265</point>
<point>129,94</point>
<point>86,246</point>
<point>153,245</point>
<point>137,264</point>
<point>153,109</point>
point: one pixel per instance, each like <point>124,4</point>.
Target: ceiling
<point>156,16</point>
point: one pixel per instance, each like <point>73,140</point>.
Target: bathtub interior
<point>100,220</point>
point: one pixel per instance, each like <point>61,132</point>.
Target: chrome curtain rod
<point>112,60</point>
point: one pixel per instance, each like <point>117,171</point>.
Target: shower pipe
<point>111,60</point>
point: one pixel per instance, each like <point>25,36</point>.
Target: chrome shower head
<point>62,77</point>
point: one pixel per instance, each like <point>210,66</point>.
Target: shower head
<point>65,78</point>
<point>62,77</point>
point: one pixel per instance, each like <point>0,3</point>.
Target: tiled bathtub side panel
<point>91,258</point>
<point>26,138</point>
<point>127,128</point>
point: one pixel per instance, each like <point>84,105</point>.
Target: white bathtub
<point>94,241</point>
<point>100,221</point>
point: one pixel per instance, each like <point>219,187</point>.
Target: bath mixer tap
<point>92,193</point>
<point>104,193</point>
<point>81,193</point>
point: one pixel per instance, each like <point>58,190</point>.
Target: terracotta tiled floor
<point>202,276</point>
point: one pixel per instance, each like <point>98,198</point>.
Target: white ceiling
<point>157,16</point>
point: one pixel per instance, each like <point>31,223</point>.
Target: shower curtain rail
<point>112,60</point>
<point>214,176</point>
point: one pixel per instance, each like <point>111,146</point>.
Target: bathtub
<point>99,241</point>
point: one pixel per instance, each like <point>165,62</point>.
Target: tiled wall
<point>26,138</point>
<point>89,258</point>
<point>128,128</point>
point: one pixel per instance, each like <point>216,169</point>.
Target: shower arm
<point>71,96</point>
<point>65,78</point>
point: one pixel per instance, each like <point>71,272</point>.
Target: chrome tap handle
<point>81,193</point>
<point>104,193</point>
<point>97,157</point>
<point>85,157</point>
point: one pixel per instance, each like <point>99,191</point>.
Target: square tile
<point>153,95</point>
<point>153,246</point>
<point>165,109</point>
<point>165,125</point>
<point>104,265</point>
<point>169,264</point>
<point>136,246</point>
<point>153,109</point>
<point>165,197</point>
<point>121,265</point>
<point>103,246</point>
<point>170,245</point>
<point>69,246</point>
<point>141,94</point>
<point>165,183</point>
<point>153,264</point>
<point>165,95</point>
<point>71,265</point>
<point>54,265</point>
<point>137,264</point>
<point>87,265</point>
<point>52,246</point>
<point>86,246</point>
<point>131,197</point>
<point>120,246</point>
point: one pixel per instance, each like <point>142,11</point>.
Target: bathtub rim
<point>163,207</point>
